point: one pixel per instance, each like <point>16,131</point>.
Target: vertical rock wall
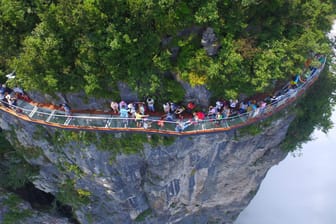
<point>198,179</point>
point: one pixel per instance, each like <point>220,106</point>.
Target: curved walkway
<point>57,118</point>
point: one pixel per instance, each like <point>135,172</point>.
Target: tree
<point>70,46</point>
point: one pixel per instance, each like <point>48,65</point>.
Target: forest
<point>92,45</point>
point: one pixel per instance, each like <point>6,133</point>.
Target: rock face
<point>82,101</point>
<point>14,210</point>
<point>209,42</point>
<point>198,179</point>
<point>197,94</point>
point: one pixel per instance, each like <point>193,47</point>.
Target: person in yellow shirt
<point>138,119</point>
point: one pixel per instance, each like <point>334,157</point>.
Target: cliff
<point>132,178</point>
<point>15,210</point>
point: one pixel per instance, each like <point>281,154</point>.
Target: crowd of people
<point>191,114</point>
<point>180,115</point>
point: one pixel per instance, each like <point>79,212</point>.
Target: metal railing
<point>109,122</point>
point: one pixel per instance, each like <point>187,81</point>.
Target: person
<point>262,106</point>
<point>179,110</point>
<point>115,107</point>
<point>270,99</point>
<point>296,79</point>
<point>166,107</point>
<point>182,125</point>
<point>226,112</point>
<point>190,107</point>
<point>212,112</point>
<point>219,105</point>
<point>233,104</point>
<point>291,91</point>
<point>13,104</point>
<point>243,107</point>
<point>138,118</point>
<point>66,108</point>
<point>179,127</point>
<point>141,108</point>
<point>169,117</point>
<point>161,123</point>
<point>122,103</point>
<point>252,107</point>
<point>219,118</point>
<point>200,115</point>
<point>150,104</point>
<point>252,104</point>
<point>131,109</point>
<point>124,114</point>
<point>7,98</point>
<point>196,119</point>
<point>173,107</point>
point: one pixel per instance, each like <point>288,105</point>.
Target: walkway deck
<point>112,123</point>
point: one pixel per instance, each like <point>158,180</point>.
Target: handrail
<point>108,122</point>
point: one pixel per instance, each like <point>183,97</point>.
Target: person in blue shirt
<point>66,108</point>
<point>296,79</point>
<point>124,114</point>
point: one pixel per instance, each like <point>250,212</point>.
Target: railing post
<point>33,111</point>
<point>50,116</point>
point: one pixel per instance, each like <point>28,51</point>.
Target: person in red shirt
<point>190,107</point>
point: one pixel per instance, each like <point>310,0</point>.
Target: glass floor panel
<point>42,114</point>
<point>91,120</point>
<point>59,117</point>
<point>25,107</point>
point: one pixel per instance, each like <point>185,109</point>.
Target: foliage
<point>142,216</point>
<point>15,172</point>
<point>67,46</point>
<point>15,214</point>
<point>252,129</point>
<point>127,144</point>
<point>117,144</point>
<point>63,137</point>
<point>157,140</point>
<point>69,195</point>
<point>312,112</point>
<point>260,126</point>
<point>72,168</point>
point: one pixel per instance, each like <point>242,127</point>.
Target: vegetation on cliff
<point>15,172</point>
<point>312,112</point>
<point>91,45</point>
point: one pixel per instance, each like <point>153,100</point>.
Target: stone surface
<point>197,179</point>
<point>209,41</point>
<point>197,94</point>
<point>82,101</point>
<point>75,100</point>
<point>15,210</point>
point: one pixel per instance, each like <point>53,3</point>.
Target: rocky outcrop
<point>209,41</point>
<point>80,100</point>
<point>76,100</point>
<point>197,94</point>
<point>199,179</point>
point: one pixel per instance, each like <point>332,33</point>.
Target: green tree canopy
<point>91,45</point>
